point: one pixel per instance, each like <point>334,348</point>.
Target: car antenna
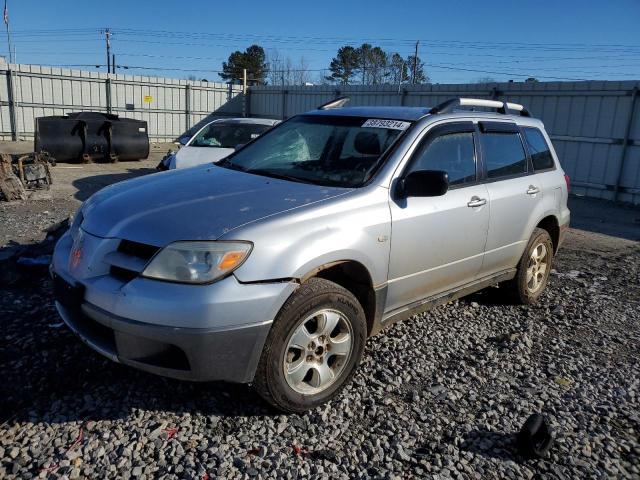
<point>336,103</point>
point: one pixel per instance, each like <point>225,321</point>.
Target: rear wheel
<point>313,348</point>
<point>533,269</point>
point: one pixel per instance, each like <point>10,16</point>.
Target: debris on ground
<point>26,173</point>
<point>33,170</point>
<point>535,438</point>
<point>19,264</point>
<point>11,187</point>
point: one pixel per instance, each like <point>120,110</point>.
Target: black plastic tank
<point>92,136</point>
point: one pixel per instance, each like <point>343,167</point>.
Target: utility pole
<point>244,92</point>
<point>107,36</point>
<point>113,63</point>
<point>415,65</point>
<point>244,81</point>
<point>12,59</point>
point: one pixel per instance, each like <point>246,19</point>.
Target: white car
<point>218,139</point>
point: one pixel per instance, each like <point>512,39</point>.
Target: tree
<point>323,78</point>
<point>372,64</point>
<point>253,59</point>
<point>282,71</point>
<point>301,72</point>
<point>485,80</point>
<point>398,71</point>
<point>343,66</point>
<point>419,75</point>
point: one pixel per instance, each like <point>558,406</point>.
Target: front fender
<point>293,244</point>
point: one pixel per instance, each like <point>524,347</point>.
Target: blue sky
<point>460,41</point>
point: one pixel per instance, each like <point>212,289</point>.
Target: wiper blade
<point>281,176</point>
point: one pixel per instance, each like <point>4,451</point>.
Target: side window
<point>503,154</point>
<point>452,153</point>
<point>538,148</point>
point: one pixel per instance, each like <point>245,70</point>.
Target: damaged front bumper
<point>184,353</point>
<point>189,332</point>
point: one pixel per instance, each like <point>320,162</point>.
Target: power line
<point>299,39</point>
<point>513,58</point>
<point>306,39</point>
<point>335,40</point>
<point>436,66</point>
<point>477,49</point>
<point>515,74</point>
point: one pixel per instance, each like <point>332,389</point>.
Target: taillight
<point>566,179</point>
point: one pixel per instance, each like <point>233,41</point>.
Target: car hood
<point>199,203</point>
<point>190,156</point>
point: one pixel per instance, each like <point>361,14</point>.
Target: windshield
<point>227,136</point>
<point>339,151</point>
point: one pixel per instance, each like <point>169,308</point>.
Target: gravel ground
<point>438,396</point>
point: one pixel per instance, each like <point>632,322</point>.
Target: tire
<point>521,288</point>
<point>284,353</point>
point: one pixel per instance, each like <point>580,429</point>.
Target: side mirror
<point>423,183</point>
<point>184,140</point>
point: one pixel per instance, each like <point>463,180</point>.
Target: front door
<point>438,243</point>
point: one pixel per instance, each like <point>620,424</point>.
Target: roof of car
<point>408,114</point>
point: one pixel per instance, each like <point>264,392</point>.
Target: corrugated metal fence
<point>170,106</point>
<point>595,125</point>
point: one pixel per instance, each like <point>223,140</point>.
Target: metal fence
<point>594,125</point>
<point>169,106</point>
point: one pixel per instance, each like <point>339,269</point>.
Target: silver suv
<point>274,266</point>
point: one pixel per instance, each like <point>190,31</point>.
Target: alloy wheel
<point>317,351</point>
<point>537,267</point>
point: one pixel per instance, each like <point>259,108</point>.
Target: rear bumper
<point>197,354</point>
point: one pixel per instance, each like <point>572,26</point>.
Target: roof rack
<point>335,103</point>
<point>501,107</point>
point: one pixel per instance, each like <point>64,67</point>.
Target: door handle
<point>532,190</point>
<point>476,202</point>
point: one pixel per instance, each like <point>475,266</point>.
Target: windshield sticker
<point>255,135</point>
<point>380,123</point>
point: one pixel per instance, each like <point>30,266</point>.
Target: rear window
<point>227,135</point>
<point>504,154</point>
<point>539,149</point>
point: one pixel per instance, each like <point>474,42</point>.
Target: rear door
<point>438,242</point>
<point>515,194</point>
<point>547,175</point>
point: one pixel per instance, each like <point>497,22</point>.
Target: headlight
<point>76,222</point>
<point>197,262</point>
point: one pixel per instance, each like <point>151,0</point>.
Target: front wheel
<point>533,269</point>
<point>313,348</point>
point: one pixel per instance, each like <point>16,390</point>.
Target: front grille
<point>122,274</point>
<point>136,249</point>
<point>128,261</point>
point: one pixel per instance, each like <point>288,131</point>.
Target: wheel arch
<point>552,226</point>
<point>355,277</point>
